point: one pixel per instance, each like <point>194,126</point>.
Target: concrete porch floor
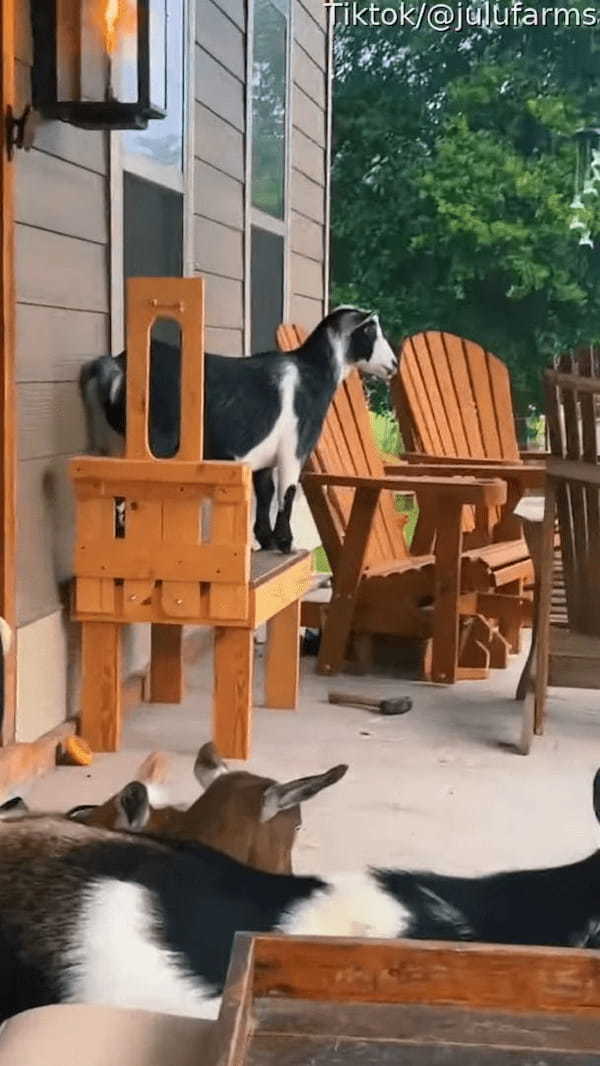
<point>438,787</point>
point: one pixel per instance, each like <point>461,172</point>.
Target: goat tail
<point>5,636</point>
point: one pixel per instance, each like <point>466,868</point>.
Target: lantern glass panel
<point>163,141</point>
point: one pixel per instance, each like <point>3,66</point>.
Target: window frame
<point>253,215</point>
<point>180,181</point>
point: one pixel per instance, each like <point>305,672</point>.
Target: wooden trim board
<point>291,999</point>
<point>7,377</point>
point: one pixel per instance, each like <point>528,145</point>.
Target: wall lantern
<point>100,64</point>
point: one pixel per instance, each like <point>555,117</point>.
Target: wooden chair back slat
<point>455,396</point>
<point>453,400</point>
<point>572,416</point>
<point>587,365</point>
<point>347,446</point>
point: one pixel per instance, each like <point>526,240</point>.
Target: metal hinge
<point>20,132</point>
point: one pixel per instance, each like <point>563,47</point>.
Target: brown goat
<point>253,819</point>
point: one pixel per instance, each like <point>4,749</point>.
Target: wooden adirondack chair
<point>454,407</point>
<point>568,639</point>
<point>379,586</point>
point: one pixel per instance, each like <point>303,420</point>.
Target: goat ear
<point>154,769</point>
<point>154,774</point>
<point>281,797</point>
<point>596,795</point>
<point>209,765</point>
<point>13,808</point>
<point>134,807</point>
<point>368,316</point>
<point>81,812</point>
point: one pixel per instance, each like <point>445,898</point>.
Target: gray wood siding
<point>308,148</point>
<point>62,267</point>
<point>219,166</point>
<point>61,282</point>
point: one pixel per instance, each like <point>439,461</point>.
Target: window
<point>271,42</point>
<point>151,171</point>
<point>154,250</point>
<point>269,91</point>
<point>266,256</point>
<point>157,152</point>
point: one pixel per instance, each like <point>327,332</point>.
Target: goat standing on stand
<point>266,410</point>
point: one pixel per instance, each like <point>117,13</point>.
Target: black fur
<point>201,898</point>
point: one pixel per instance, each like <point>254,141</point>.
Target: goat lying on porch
<point>266,410</point>
<point>90,916</point>
<point>250,818</point>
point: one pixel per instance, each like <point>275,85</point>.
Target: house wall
<point>219,168</point>
<point>308,189</point>
<point>62,249</point>
<point>61,280</point>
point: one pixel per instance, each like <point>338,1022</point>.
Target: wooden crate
<point>295,1001</point>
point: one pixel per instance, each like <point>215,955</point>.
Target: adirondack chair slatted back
<point>572,395</point>
<point>453,398</point>
<point>347,446</point>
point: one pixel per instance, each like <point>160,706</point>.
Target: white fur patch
<point>283,435</point>
<point>383,361</point>
<point>158,794</point>
<point>117,960</point>
<point>351,905</point>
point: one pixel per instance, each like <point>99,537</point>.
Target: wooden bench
<point>185,557</point>
<point>337,1002</point>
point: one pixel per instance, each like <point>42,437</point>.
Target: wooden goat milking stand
<point>164,570</point>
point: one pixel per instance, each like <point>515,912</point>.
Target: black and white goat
<point>266,410</point>
<point>91,916</point>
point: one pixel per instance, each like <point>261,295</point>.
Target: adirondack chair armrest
<point>467,490</point>
<point>392,460</point>
<point>534,457</point>
<point>421,459</point>
<point>526,475</point>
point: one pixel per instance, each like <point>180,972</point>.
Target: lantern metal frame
<point>107,114</point>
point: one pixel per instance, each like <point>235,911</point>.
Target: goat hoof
<point>266,543</point>
<point>284,545</point>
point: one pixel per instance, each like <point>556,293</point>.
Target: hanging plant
<point>587,184</point>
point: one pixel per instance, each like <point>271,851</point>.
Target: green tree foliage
<point>453,169</point>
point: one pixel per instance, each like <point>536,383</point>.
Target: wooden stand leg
<point>232,706</point>
<point>338,621</point>
<point>444,655</point>
<point>511,629</point>
<point>544,607</point>
<point>166,664</point>
<point>101,685</point>
<point>282,658</point>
